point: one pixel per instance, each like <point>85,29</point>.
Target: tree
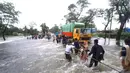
<point>8,16</point>
<point>107,14</point>
<point>72,7</point>
<point>88,20</point>
<point>25,30</point>
<point>122,9</point>
<point>32,30</point>
<point>55,29</point>
<point>32,24</point>
<point>72,15</point>
<point>82,4</point>
<point>44,28</point>
<point>76,10</point>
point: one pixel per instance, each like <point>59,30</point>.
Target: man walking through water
<point>125,56</point>
<point>98,53</point>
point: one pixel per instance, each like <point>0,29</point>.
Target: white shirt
<point>68,49</point>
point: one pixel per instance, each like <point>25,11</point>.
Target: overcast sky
<point>51,11</point>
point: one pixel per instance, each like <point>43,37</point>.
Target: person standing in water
<point>84,52</point>
<point>77,46</point>
<point>57,39</point>
<point>98,53</point>
<point>125,56</point>
<point>68,51</point>
<point>64,40</point>
<point>54,38</point>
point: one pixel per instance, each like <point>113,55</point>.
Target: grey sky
<point>51,11</point>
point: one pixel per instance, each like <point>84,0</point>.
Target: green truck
<point>76,31</point>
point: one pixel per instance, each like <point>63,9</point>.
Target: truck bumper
<point>88,39</point>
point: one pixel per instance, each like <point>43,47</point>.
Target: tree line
<point>9,16</point>
<point>118,10</point>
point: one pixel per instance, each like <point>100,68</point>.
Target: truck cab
<point>82,34</point>
<point>76,33</point>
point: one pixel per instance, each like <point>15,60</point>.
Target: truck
<point>77,31</point>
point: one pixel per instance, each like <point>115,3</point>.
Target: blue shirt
<point>76,44</point>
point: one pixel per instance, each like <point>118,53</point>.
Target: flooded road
<point>43,56</point>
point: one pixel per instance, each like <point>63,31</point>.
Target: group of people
<point>59,39</point>
<point>97,53</point>
<point>82,50</point>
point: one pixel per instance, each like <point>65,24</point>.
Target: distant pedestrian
<point>57,38</point>
<point>60,38</point>
<point>98,53</point>
<point>54,38</point>
<point>64,40</point>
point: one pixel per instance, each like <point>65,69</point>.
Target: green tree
<point>122,9</point>
<point>8,16</point>
<point>72,15</point>
<point>76,10</point>
<point>107,14</point>
<point>44,28</point>
<point>72,7</point>
<point>11,29</point>
<point>88,20</point>
<point>55,29</point>
<point>25,30</point>
<point>82,5</point>
<point>32,30</point>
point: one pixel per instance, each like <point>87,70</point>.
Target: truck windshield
<point>85,31</point>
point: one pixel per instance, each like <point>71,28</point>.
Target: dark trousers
<point>57,40</point>
<point>68,57</point>
<point>93,61</point>
<point>76,51</point>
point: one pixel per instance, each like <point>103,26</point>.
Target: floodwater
<point>43,56</point>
